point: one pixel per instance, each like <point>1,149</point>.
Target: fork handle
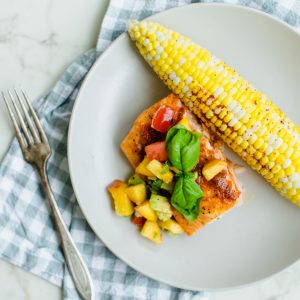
<point>77,267</point>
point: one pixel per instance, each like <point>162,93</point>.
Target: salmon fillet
<point>220,194</point>
<point>142,134</point>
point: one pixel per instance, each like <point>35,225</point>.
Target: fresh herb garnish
<point>155,186</point>
<point>183,148</point>
<point>186,196</point>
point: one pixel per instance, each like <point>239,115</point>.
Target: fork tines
<point>25,120</point>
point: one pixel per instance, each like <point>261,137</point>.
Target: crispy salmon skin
<point>219,194</point>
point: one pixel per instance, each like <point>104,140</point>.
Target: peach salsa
<point>182,179</point>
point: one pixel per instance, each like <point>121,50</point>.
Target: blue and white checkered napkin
<point>27,235</point>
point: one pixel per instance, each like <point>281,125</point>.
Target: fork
<point>36,151</point>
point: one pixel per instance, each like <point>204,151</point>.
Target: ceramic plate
<point>251,242</point>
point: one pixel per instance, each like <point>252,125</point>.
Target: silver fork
<point>36,151</point>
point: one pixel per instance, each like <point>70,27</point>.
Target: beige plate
<point>251,242</point>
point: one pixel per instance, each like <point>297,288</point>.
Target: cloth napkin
<point>27,235</point>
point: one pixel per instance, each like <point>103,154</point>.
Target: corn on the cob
<point>243,117</point>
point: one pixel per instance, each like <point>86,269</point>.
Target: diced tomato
<point>138,221</point>
<point>162,119</point>
<point>157,151</point>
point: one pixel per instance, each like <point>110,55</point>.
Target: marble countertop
<point>38,39</point>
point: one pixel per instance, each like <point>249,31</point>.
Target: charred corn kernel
<point>240,115</point>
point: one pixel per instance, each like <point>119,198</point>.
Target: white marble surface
<point>38,39</point>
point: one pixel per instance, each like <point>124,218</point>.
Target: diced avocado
<point>152,232</point>
<point>161,206</point>
<point>163,216</point>
<point>171,226</point>
<point>123,206</point>
<point>159,170</point>
<point>168,186</point>
<point>136,193</point>
<point>213,168</point>
<point>165,169</point>
<point>146,211</point>
<point>135,179</point>
<point>142,168</point>
<point>185,122</point>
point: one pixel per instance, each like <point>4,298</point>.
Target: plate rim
<point>70,134</point>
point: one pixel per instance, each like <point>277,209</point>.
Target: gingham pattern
<point>27,236</point>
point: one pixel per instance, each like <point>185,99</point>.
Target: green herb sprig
<point>183,148</point>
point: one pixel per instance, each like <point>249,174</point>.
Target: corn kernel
<point>239,140</point>
<point>223,127</point>
<point>258,143</point>
<point>258,155</point>
<point>218,123</point>
<point>278,185</point>
<point>244,144</point>
<point>280,159</point>
<point>228,117</point>
<point>275,169</point>
<point>264,160</point>
<point>269,176</point>
<point>290,170</point>
<point>222,114</point>
<point>264,171</point>
<point>237,126</point>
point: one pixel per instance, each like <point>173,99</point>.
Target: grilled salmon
<point>220,194</point>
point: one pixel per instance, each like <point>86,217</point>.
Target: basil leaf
<point>186,196</point>
<point>190,153</point>
<point>172,132</point>
<point>175,147</point>
<point>183,148</point>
